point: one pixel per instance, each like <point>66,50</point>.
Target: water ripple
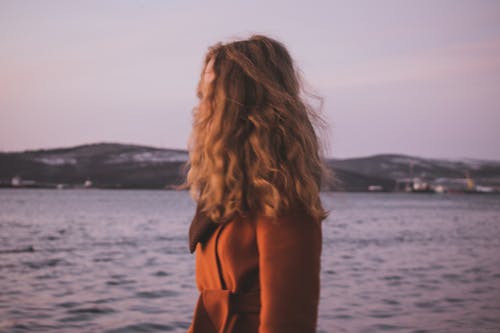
<point>117,261</point>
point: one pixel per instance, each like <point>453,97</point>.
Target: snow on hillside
<point>466,163</point>
<point>56,160</point>
<point>148,157</point>
<point>108,154</point>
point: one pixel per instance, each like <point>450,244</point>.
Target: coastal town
<point>125,166</point>
<point>408,185</point>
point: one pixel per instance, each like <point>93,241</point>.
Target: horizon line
<point>20,151</point>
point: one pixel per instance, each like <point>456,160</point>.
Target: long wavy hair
<point>253,147</point>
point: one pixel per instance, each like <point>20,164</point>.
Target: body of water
<point>118,261</point>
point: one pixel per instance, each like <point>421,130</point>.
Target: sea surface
<point>117,261</point>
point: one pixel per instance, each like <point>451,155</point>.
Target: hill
<point>106,165</point>
<point>115,165</point>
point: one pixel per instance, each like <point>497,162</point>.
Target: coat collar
<point>203,226</point>
<point>201,229</point>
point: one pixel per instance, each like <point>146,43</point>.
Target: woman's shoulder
<point>295,222</point>
<point>295,214</point>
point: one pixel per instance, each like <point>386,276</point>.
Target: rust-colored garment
<point>255,275</point>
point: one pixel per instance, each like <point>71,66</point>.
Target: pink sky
<point>419,78</point>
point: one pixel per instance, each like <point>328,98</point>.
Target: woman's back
<point>255,273</point>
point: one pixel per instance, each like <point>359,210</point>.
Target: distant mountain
<point>399,166</point>
<point>106,165</point>
<point>115,165</point>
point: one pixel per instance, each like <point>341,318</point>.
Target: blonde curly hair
<point>253,147</point>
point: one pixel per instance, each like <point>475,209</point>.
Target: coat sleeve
<point>289,273</point>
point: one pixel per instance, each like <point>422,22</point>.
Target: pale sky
<point>411,77</point>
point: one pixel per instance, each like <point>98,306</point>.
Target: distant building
<point>484,189</point>
<point>413,184</point>
<point>439,189</point>
<point>420,186</point>
<point>375,188</point>
<point>453,185</point>
<point>16,181</point>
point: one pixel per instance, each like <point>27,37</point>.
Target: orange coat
<point>256,275</point>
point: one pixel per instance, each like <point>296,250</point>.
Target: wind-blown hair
<point>253,148</point>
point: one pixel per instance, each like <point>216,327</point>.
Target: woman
<point>255,171</point>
